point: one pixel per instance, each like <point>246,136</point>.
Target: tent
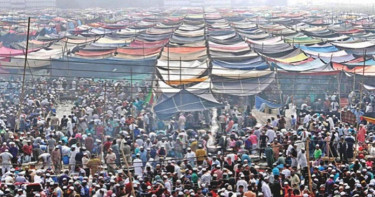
<point>183,101</point>
<point>259,101</point>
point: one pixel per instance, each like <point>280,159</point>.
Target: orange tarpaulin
<point>186,81</point>
<point>138,51</point>
<point>368,70</point>
<point>369,119</point>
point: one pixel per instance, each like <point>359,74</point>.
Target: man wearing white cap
<point>190,156</point>
<point>242,182</point>
<point>6,158</point>
<point>137,164</point>
<point>46,159</point>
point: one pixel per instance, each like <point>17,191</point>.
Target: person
<point>191,157</point>
<point>293,122</point>
<point>269,155</point>
<point>46,160</point>
<point>14,150</point>
<point>361,136</point>
<point>85,161</point>
<point>317,152</point>
<point>110,160</point>
<point>276,187</point>
<point>89,142</point>
<point>301,159</point>
<point>138,166</point>
<point>334,106</point>
<point>181,121</point>
<point>27,150</point>
<point>200,154</point>
<point>93,164</point>
<point>72,158</point>
<point>343,150</point>
<point>242,182</point>
<point>6,163</point>
<point>265,188</point>
<point>263,139</point>
<point>282,123</point>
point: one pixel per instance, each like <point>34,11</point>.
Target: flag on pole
<point>150,98</point>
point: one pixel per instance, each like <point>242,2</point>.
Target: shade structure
<point>183,101</point>
<point>259,102</point>
<point>241,87</point>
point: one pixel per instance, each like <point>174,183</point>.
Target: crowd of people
<point>111,144</point>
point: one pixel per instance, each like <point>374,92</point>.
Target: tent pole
<point>363,76</point>
<point>181,74</point>
<point>308,162</point>
<point>24,72</point>
<point>339,86</point>
<point>105,95</point>
<point>183,87</point>
<point>209,74</point>
<point>169,78</point>
<point>278,85</point>
<point>131,82</point>
<point>360,101</point>
<point>354,81</point>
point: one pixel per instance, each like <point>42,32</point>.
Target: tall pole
<point>183,87</point>
<point>181,73</point>
<point>105,95</point>
<point>169,78</point>
<point>128,172</point>
<point>131,82</point>
<point>360,101</point>
<point>339,86</point>
<point>278,85</point>
<point>354,81</point>
<point>24,70</point>
<point>308,162</point>
<point>363,76</point>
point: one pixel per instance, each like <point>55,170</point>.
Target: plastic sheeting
<point>238,74</point>
<point>323,49</point>
<point>173,65</point>
<point>297,58</point>
<point>242,87</point>
<point>254,64</point>
<point>354,45</point>
<point>184,101</point>
<point>184,73</point>
<point>259,101</point>
<point>309,66</point>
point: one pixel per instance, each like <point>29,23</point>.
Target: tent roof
<point>184,101</point>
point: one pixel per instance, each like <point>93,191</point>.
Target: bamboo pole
<point>307,152</point>
<point>131,82</point>
<point>180,72</point>
<point>169,78</point>
<point>363,76</point>
<point>24,73</point>
<point>278,85</point>
<point>360,106</point>
<point>339,86</point>
<point>129,174</point>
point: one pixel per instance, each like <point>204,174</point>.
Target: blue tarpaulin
<point>319,49</point>
<point>183,101</point>
<point>259,101</point>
